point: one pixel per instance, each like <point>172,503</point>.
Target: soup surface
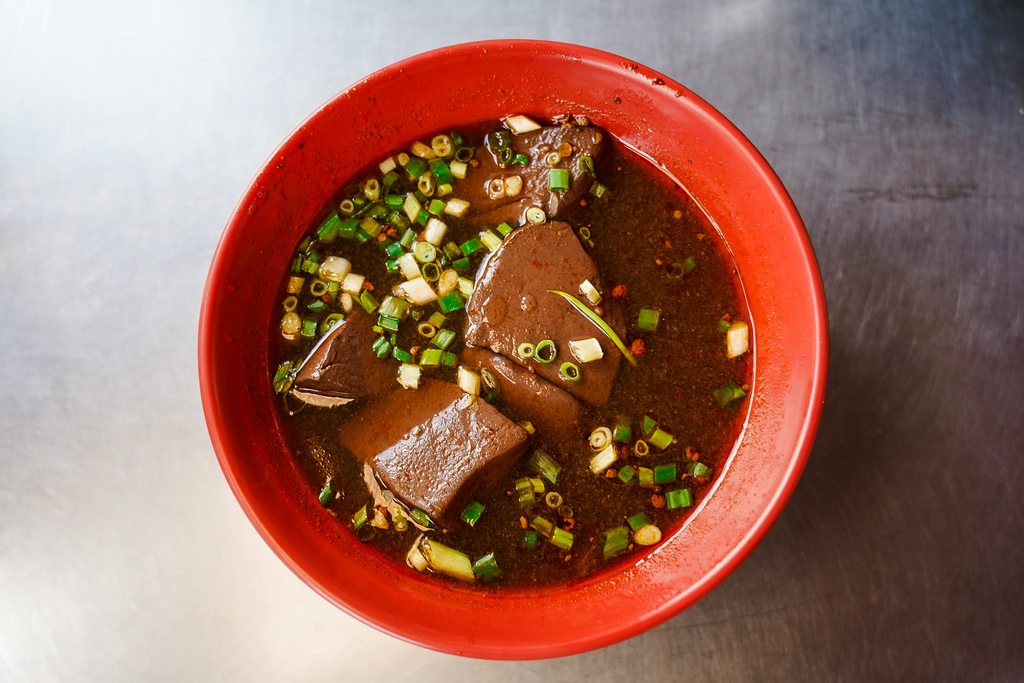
<point>586,479</point>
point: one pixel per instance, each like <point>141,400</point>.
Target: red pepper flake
<point>583,202</point>
<point>327,297</point>
<point>658,261</point>
<point>727,317</point>
<point>368,286</point>
<point>414,350</point>
<point>658,501</point>
<point>619,292</point>
<point>638,347</point>
<point>692,454</point>
<point>677,214</point>
<point>568,523</point>
<point>611,473</point>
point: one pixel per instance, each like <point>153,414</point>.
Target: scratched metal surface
<point>128,130</point>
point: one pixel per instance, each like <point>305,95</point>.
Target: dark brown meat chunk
<point>343,368</point>
<point>525,395</point>
<point>431,449</point>
<point>511,304</point>
<point>483,210</point>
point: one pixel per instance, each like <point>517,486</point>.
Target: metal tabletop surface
<point>129,129</point>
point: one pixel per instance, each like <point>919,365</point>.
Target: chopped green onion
<point>535,215</point>
<point>394,250</point>
<point>460,264</point>
<point>443,339</point>
<point>689,264</point>
<point>283,378</point>
<point>543,526</point>
<point>317,306</point>
<point>348,228</point>
<point>648,319</point>
<point>468,380</point>
<point>490,240</point>
<point>431,272</point>
<point>426,330</point>
<point>471,246</point>
<point>521,159</point>
<point>437,319</point>
<point>401,523</point>
<point>327,493</point>
<point>471,514</point>
<point>463,154</point>
<point>524,492</point>
<point>586,350</point>
<point>615,541</point>
<point>367,301</point>
<point>660,439</point>
<point>645,477</point>
<point>728,393</point>
<point>328,323</point>
<point>370,226</point>
<point>305,244</point>
<point>586,165</point>
<point>529,539</point>
<point>431,358</point>
<point>381,347</point>
<point>360,517</point>
<point>450,302</point>
<point>558,180</point>
<point>441,171</point>
<point>665,473</point>
<point>698,470</point>
<point>447,560</point>
<point>648,424</point>
<point>585,233</point>
<point>308,328</point>
<point>394,307</point>
<point>626,474</point>
<point>737,339</point>
<point>638,520</point>
<point>436,207</point>
<point>641,448</point>
<point>424,252</point>
<point>504,229</point>
<point>680,498</point>
<point>622,431</point>
<point>415,168</point>
<point>401,355</point>
<point>526,350</point>
<point>537,484</point>
<point>598,321</point>
<point>421,518</point>
<point>598,190</point>
<point>544,465</point>
<point>675,271</point>
<point>545,352</point>
<point>553,499</point>
<point>561,538</point>
<point>723,325</point>
<point>570,372</point>
<point>328,230</point>
<point>486,568</point>
<point>450,360</point>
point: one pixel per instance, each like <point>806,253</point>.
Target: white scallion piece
<point>604,459</point>
<point>586,350</point>
<point>387,165</point>
<point>402,158</point>
<point>409,375</point>
<point>458,169</point>
<point>353,284</point>
<point>448,282</point>
<point>466,287</point>
<point>513,185</point>
<point>490,240</point>
<point>346,302</point>
<point>648,534</point>
<point>456,207</point>
<point>422,151</point>
<point>435,231</point>
<point>737,339</point>
<point>415,558</point>
<point>468,381</point>
<point>590,291</point>
<point>334,269</point>
<point>521,124</point>
<point>417,291</point>
<point>409,266</point>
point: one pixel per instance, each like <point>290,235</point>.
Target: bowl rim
<point>788,479</point>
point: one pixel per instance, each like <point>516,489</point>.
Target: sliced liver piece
<point>430,449</point>
<point>526,396</point>
<point>343,367</point>
<point>585,140</point>
<point>511,305</point>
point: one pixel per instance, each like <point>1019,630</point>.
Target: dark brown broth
<point>635,240</point>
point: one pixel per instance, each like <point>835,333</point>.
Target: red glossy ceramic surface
<point>438,91</point>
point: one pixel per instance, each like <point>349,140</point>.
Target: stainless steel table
<point>128,130</point>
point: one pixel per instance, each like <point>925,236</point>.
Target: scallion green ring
<point>526,350</point>
<point>427,330</point>
<point>570,371</point>
<point>538,352</point>
<point>431,272</point>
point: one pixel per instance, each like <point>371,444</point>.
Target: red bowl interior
<point>456,86</point>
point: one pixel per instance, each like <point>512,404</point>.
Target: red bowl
<point>457,86</point>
